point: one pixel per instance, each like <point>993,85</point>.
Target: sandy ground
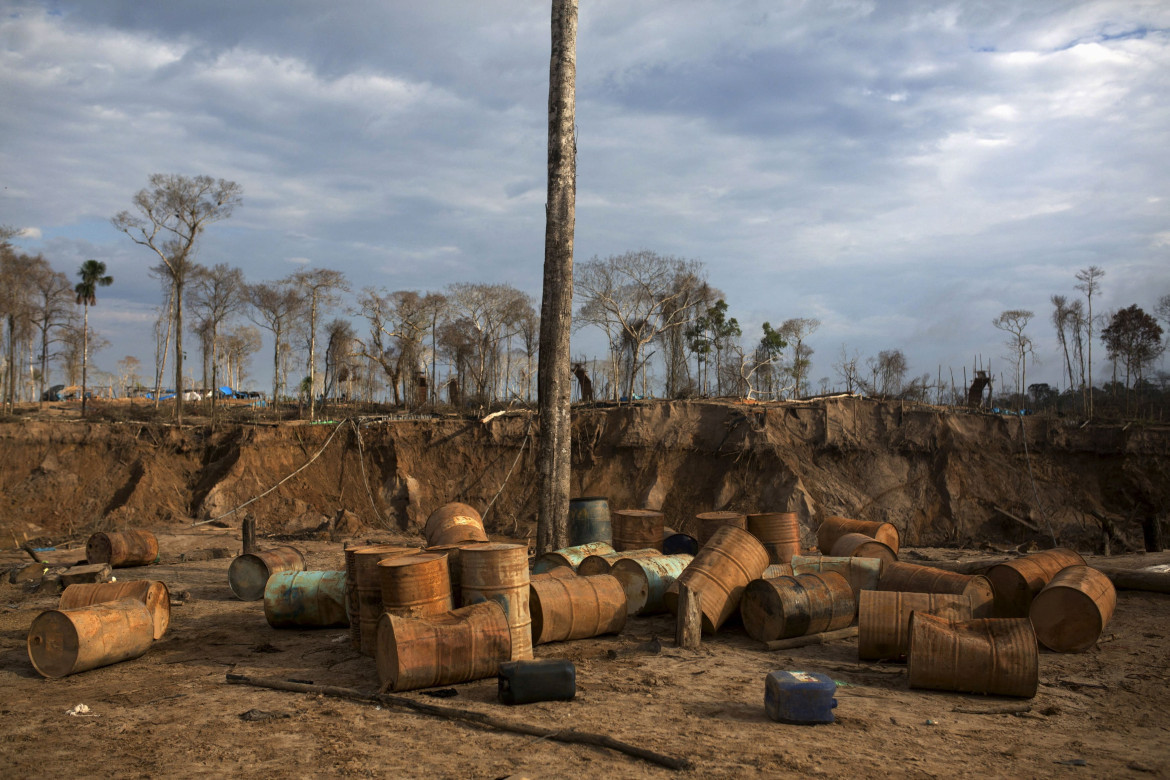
<point>170,713</point>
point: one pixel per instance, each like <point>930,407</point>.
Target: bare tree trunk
<point>84,356</point>
<point>554,378</point>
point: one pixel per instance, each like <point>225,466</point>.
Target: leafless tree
<point>492,312</point>
<point>320,288</point>
<point>128,373</point>
<point>795,331</point>
<point>238,347</point>
<point>1062,321</point>
<point>53,310</point>
<point>398,324</point>
<point>339,353</point>
<point>17,291</point>
<point>276,307</point>
<point>1090,284</point>
<point>887,371</point>
<point>846,368</point>
<point>1013,322</point>
<point>217,294</point>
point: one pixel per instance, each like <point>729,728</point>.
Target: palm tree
<point>93,275</point>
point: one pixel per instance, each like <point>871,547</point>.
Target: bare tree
<point>492,311</point>
<point>846,368</point>
<point>339,353</point>
<point>238,347</point>
<point>887,373</point>
<point>53,310</point>
<point>275,307</point>
<point>1090,284</point>
<point>128,373</point>
<point>1013,322</point>
<point>795,331</point>
<point>16,302</point>
<point>1062,320</point>
<point>217,293</point>
<point>320,288</point>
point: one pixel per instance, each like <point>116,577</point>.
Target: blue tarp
<point>227,392</point>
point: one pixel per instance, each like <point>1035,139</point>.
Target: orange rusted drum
<point>883,619</point>
<point>724,566</point>
<point>248,575</point>
<point>576,608</point>
<point>122,549</point>
<point>1072,610</point>
<point>861,573</point>
<point>570,556</point>
<point>367,579</point>
<point>499,572</point>
<point>152,593</point>
<point>645,580</point>
<point>833,528</point>
<point>637,529</point>
<point>465,644</point>
<point>453,523</point>
<point>557,573</point>
<point>601,564</point>
<point>913,578</point>
<point>779,532</point>
<point>775,570</point>
<point>1017,582</point>
<point>416,585</point>
<point>862,546</point>
<point>709,522</point>
<point>68,641</point>
<point>985,655</point>
<point>794,606</point>
<point>454,567</point>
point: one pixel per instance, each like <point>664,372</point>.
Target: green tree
<point>93,275</point>
<point>1134,338</point>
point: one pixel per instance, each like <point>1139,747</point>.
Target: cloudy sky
<point>902,171</point>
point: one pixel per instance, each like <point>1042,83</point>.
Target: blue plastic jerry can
<point>800,697</point>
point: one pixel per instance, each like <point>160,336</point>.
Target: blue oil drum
<point>526,682</point>
<point>680,544</point>
<point>306,599</point>
<point>589,521</point>
<point>800,697</point>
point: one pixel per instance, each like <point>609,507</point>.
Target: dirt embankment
<point>942,478</point>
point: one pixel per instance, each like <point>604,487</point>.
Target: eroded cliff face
<point>941,478</point>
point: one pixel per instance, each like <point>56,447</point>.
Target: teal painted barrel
<point>589,520</point>
<point>645,580</point>
<point>570,556</point>
<point>306,599</point>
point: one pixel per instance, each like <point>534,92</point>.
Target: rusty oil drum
<point>996,656</point>
<point>416,585</point>
<point>576,608</point>
<point>709,522</point>
<point>69,641</point>
<point>645,580</point>
<point>249,573</point>
<point>861,573</point>
<point>795,606</point>
<point>122,549</point>
<point>465,644</point>
<point>555,573</point>
<point>499,572</point>
<point>152,593</point>
<point>637,529</point>
<point>719,573</point>
<point>775,570</point>
<point>601,564</point>
<point>363,572</point>
<point>1017,582</point>
<point>570,556</point>
<point>833,528</point>
<point>1073,609</point>
<point>862,546</point>
<point>454,522</point>
<point>913,578</point>
<point>589,520</point>
<point>779,532</point>
<point>454,567</point>
<point>883,619</point>
<point>306,599</point>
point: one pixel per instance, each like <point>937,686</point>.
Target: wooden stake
<point>811,639</point>
<point>249,535</point>
<point>689,628</point>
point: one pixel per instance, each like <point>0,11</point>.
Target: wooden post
<point>249,535</point>
<point>688,631</point>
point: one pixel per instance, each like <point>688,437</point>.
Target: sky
<point>900,171</point>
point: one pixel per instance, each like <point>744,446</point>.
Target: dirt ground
<point>170,713</point>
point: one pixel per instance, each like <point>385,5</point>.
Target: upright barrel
<point>152,593</point>
<point>589,520</point>
<point>912,578</point>
<point>416,585</point>
<point>69,641</point>
<point>458,646</point>
<point>576,608</point>
<point>779,532</point>
<point>454,522</point>
<point>306,599</point>
<point>499,572</point>
<point>248,575</point>
<point>833,528</point>
<point>645,580</point>
<point>710,522</point>
<point>637,529</point>
<point>122,549</point>
<point>601,564</point>
<point>1017,582</point>
<point>1073,609</point>
<point>883,619</point>
<point>367,581</point>
<point>862,546</point>
<point>719,573</point>
<point>795,606</point>
<point>861,573</point>
<point>570,556</point>
<point>995,656</point>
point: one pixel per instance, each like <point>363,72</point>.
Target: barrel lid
<point>411,560</point>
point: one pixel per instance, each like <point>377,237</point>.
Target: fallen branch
<point>1003,709</point>
<point>811,639</point>
<point>478,718</point>
<point>1136,579</point>
<point>1020,520</point>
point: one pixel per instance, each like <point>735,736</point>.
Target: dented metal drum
<point>779,532</point>
<point>883,619</point>
<point>367,584</point>
<point>122,549</point>
<point>306,599</point>
<point>645,580</point>
<point>862,546</point>
<point>576,608</point>
<point>465,644</point>
<point>1017,582</point>
<point>795,606</point>
<point>710,522</point>
<point>913,578</point>
<point>833,528</point>
<point>996,656</point>
<point>454,522</point>
<point>557,573</point>
<point>861,573</point>
<point>152,593</point>
<point>637,529</point>
<point>1073,609</point>
<point>570,556</point>
<point>249,573</point>
<point>601,564</point>
<point>416,585</point>
<point>719,573</point>
<point>589,521</point>
<point>499,572</point>
<point>65,642</point>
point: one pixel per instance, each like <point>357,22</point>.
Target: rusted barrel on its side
<point>306,599</point>
<point>913,578</point>
<point>637,529</point>
<point>68,641</point>
<point>589,520</point>
<point>724,566</point>
<point>555,573</point>
<point>710,522</point>
<point>416,585</point>
<point>795,606</point>
<point>645,580</point>
<point>454,522</point>
<point>1017,582</point>
<point>465,644</point>
<point>862,546</point>
<point>779,532</point>
<point>152,593</point>
<point>833,528</point>
<point>996,656</point>
<point>499,572</point>
<point>570,556</point>
<point>122,549</point>
<point>601,564</point>
<point>249,573</point>
<point>883,619</point>
<point>1073,609</point>
<point>860,573</point>
<point>576,608</point>
<point>367,584</point>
